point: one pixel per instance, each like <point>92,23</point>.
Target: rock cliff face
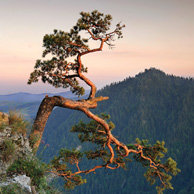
<point>20,171</point>
<point>13,146</point>
<point>21,182</point>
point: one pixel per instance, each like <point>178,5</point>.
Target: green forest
<point>151,105</point>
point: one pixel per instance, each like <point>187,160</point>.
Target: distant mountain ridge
<point>28,97</point>
<point>152,105</point>
<point>28,103</point>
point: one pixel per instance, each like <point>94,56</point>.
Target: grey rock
<point>24,181</point>
<point>3,134</point>
<point>6,132</point>
<point>22,141</point>
<point>15,137</point>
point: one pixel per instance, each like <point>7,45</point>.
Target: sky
<point>158,33</point>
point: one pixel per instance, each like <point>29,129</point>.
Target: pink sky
<point>158,34</point>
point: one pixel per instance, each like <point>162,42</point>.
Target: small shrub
<point>35,169</point>
<point>32,167</point>
<point>17,122</point>
<point>7,149</point>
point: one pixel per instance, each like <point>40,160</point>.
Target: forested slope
<point>152,106</point>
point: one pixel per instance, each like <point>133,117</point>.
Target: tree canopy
<point>59,71</point>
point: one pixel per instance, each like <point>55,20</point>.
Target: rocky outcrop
<point>22,180</point>
<point>17,160</point>
<point>13,146</point>
<point>20,148</point>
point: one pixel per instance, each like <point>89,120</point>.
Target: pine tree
<point>58,72</point>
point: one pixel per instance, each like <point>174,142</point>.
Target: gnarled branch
<point>46,108</point>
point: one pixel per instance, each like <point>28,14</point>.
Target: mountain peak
<point>151,72</point>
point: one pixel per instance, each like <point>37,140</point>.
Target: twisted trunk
<point>46,107</point>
